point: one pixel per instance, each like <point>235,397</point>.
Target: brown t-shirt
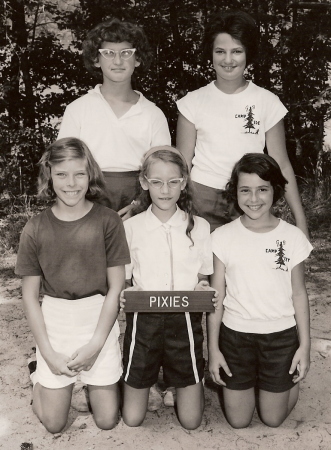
<point>72,257</point>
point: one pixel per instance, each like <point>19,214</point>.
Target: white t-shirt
<point>117,144</point>
<point>258,275</point>
<point>162,256</point>
<point>228,126</point>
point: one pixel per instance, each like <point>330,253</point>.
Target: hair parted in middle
<point>67,149</point>
<point>185,202</point>
<point>262,165</point>
<point>116,31</point>
<point>239,25</point>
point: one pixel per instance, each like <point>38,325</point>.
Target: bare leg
<point>190,405</point>
<point>275,407</point>
<point>105,402</point>
<point>51,406</point>
<point>135,403</point>
<point>239,406</point>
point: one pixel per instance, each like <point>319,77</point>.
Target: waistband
<point>131,173</point>
<point>256,326</point>
<point>84,300</point>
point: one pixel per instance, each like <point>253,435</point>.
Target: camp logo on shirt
<point>250,125</point>
<point>281,260</point>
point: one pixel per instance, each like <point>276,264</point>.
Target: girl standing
<point>77,251</point>
<point>259,338</point>
<point>229,117</point>
<point>117,123</point>
<point>170,250</point>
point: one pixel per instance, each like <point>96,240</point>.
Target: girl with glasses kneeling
<point>170,249</point>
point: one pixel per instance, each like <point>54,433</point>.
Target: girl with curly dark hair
<point>117,123</point>
<point>231,116</point>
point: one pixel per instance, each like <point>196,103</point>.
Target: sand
<point>307,427</point>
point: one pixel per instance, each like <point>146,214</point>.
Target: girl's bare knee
<point>105,423</point>
<point>132,417</point>
<point>132,421</point>
<point>54,425</point>
<point>238,423</point>
<point>273,421</point>
<point>191,424</point>
<point>134,405</point>
<point>275,407</point>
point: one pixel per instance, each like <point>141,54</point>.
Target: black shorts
<point>171,340</point>
<point>261,360</point>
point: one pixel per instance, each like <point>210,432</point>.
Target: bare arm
<point>301,308</point>
<point>126,212</point>
<point>275,141</point>
<point>57,362</point>
<point>186,138</point>
<point>84,357</point>
<point>214,319</point>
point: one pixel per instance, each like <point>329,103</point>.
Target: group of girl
<point>79,253</point>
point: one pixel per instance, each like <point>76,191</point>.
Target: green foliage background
<point>42,71</point>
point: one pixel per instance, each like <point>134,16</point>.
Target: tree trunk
<point>21,107</point>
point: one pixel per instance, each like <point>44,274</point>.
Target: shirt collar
<point>177,220</point>
<point>135,109</point>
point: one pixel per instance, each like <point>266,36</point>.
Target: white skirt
<point>70,324</point>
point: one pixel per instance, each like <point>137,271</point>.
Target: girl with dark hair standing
<point>229,117</point>
<point>117,123</point>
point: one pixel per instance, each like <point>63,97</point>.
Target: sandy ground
<point>307,427</point>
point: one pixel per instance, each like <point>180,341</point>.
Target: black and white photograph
<point>165,220</point>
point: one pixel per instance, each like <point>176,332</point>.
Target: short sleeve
<point>160,132</point>
<point>27,263</point>
<point>128,233</point>
<point>274,111</point>
<point>302,248</point>
<point>117,251</point>
<point>70,126</point>
<point>218,244</point>
<point>187,106</point>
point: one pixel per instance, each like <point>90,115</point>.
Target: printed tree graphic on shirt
<point>281,256</point>
<point>249,119</point>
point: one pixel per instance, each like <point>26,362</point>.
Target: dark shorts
<point>171,340</point>
<point>261,360</point>
<point>122,188</point>
<point>213,206</point>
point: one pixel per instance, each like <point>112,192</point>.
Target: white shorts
<point>70,324</point>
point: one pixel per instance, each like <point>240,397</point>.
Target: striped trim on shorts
<point>171,340</point>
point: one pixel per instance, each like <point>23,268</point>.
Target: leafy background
<point>41,71</point>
